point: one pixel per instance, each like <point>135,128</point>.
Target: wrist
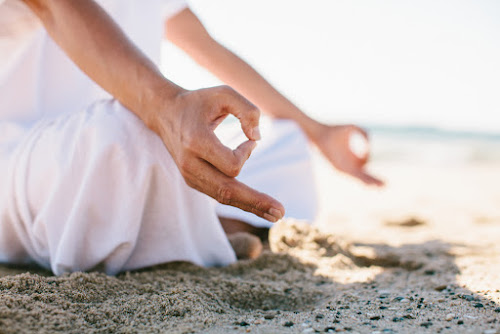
<point>159,105</point>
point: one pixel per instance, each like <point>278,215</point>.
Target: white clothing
<point>84,184</point>
<point>98,188</point>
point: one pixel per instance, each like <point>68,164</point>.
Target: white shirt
<point>38,80</point>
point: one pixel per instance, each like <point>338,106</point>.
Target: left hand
<point>333,142</point>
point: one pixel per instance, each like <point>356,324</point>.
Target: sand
<point>421,255</point>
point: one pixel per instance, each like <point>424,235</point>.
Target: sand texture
<point>408,259</point>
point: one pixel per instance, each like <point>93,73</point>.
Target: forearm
<point>232,70</point>
<point>98,46</point>
<point>188,33</point>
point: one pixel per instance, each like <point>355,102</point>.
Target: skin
<point>187,32</point>
<point>183,119</point>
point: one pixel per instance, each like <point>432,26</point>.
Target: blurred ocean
<point>432,146</point>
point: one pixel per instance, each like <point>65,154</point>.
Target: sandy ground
<point>422,255</point>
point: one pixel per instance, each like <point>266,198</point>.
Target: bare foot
<point>245,245</point>
<point>245,239</point>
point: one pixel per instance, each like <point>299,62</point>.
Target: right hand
<point>187,129</point>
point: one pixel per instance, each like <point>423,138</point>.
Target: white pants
<point>98,189</point>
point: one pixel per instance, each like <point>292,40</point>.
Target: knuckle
<point>224,194</point>
<point>184,166</point>
<point>234,171</point>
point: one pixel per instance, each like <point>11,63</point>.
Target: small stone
<point>329,329</point>
<point>288,324</point>
<point>269,316</point>
<point>404,301</point>
<point>382,307</point>
<point>408,316</point>
<point>460,322</point>
<point>426,324</point>
<point>497,310</point>
<point>449,317</point>
<point>429,272</point>
<point>468,297</point>
<point>375,317</point>
<point>398,299</point>
<point>478,305</point>
<point>319,316</point>
<point>397,319</point>
<point>440,287</point>
<point>242,323</point>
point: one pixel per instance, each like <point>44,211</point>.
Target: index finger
<point>227,190</point>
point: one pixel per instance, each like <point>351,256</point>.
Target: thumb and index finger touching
<point>227,163</point>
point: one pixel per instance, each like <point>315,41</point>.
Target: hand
<point>333,142</point>
<point>187,129</point>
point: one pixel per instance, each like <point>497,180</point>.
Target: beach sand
<point>421,255</point>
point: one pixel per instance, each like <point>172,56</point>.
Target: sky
<point>385,62</point>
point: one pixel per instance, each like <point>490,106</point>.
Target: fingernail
<point>256,133</point>
<point>272,219</point>
<point>276,213</point>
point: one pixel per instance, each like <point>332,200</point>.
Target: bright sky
<point>420,62</point>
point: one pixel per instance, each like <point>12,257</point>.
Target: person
<point>106,164</point>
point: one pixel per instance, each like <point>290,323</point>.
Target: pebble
<point>497,310</point>
<point>269,316</point>
<point>408,316</point>
<point>468,297</point>
<point>440,287</point>
<point>319,316</point>
<point>478,305</point>
<point>460,322</point>
<point>426,324</point>
<point>398,299</point>
<point>329,329</point>
<point>243,323</point>
<point>397,319</point>
<point>288,324</point>
<point>449,317</point>
<point>404,300</point>
<point>375,317</point>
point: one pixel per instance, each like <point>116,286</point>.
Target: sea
<point>432,146</point>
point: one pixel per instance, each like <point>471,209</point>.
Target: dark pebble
<point>382,307</point>
<point>468,297</point>
<point>288,324</point>
<point>336,321</point>
<point>460,322</point>
<point>319,316</point>
<point>408,316</point>
<point>478,305</point>
<point>430,272</point>
<point>497,310</point>
<point>375,318</point>
<point>269,316</point>
<point>242,324</point>
<point>397,319</point>
<point>397,299</point>
<point>440,287</point>
<point>426,324</point>
<point>329,329</point>
<point>347,329</point>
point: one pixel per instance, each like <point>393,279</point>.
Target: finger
<point>245,111</point>
<point>368,179</point>
<point>229,162</point>
<point>229,191</point>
